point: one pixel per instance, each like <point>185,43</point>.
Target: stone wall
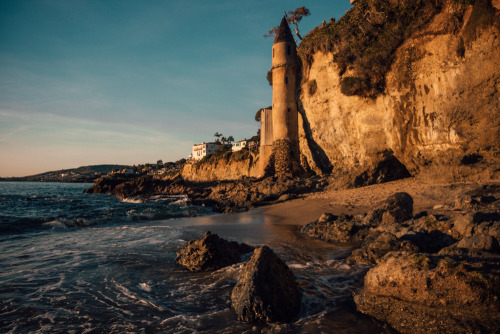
<point>286,157</point>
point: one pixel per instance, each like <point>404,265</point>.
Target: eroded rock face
<point>267,290</point>
<point>421,293</point>
<point>433,95</point>
<point>210,253</point>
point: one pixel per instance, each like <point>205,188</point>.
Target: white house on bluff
<point>204,149</point>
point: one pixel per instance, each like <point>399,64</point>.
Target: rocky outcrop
<point>222,169</point>
<point>397,208</point>
<point>438,112</point>
<point>223,196</point>
<point>375,247</point>
<point>343,228</point>
<point>421,293</point>
<point>267,290</point>
<point>210,253</point>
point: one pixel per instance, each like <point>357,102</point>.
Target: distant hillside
<point>80,174</point>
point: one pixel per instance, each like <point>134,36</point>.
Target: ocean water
<point>85,263</point>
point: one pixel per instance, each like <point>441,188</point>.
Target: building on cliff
<point>204,149</point>
<point>279,125</point>
<point>250,144</point>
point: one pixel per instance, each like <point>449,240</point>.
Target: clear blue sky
<point>129,82</point>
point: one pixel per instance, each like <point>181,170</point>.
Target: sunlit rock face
<point>441,103</point>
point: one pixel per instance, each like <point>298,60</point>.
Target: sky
<point>130,81</point>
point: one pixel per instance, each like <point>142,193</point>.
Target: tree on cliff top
<point>294,17</point>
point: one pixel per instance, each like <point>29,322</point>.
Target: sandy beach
<point>430,197</point>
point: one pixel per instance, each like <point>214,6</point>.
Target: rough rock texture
<point>480,242</point>
<point>385,169</point>
<point>374,248</point>
<point>222,169</point>
<point>419,293</point>
<point>395,209</point>
<point>333,228</point>
<point>439,106</point>
<point>267,290</point>
<point>223,196</point>
<point>210,253</point>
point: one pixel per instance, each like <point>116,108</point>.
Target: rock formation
<point>267,290</point>
<point>210,253</point>
<point>420,293</point>
<point>439,106</point>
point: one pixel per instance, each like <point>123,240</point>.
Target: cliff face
<point>222,169</point>
<point>441,103</point>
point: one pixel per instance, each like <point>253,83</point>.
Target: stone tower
<point>285,151</point>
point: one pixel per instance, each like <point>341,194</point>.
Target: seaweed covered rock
<point>210,253</point>
<point>334,228</point>
<point>267,290</point>
<point>421,293</point>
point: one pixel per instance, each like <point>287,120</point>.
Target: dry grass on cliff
<point>364,40</point>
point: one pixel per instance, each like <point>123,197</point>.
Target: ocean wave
<point>63,223</point>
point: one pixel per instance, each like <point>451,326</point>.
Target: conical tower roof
<point>284,34</point>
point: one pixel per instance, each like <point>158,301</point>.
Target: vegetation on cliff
<point>364,40</point>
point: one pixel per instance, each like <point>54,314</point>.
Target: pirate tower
<point>279,128</point>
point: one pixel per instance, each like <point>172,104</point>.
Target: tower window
<point>289,109</point>
<point>286,80</point>
<point>288,50</point>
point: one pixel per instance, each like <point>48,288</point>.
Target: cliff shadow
<point>318,154</point>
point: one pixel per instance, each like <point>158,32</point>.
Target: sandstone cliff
<point>440,106</point>
<point>222,169</point>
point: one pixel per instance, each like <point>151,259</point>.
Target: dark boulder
<point>334,228</point>
<point>397,208</point>
<point>429,242</point>
<point>385,169</point>
<point>210,253</point>
<point>267,290</point>
<point>375,247</point>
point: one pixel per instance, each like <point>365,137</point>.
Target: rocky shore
<point>428,271</point>
<point>223,196</point>
<point>432,251</point>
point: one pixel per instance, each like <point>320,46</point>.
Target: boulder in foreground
<point>421,293</point>
<point>267,290</point>
<point>210,253</point>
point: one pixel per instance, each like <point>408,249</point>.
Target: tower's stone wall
<point>285,129</point>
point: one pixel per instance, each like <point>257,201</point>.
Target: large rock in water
<point>421,293</point>
<point>210,253</point>
<point>267,290</point>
